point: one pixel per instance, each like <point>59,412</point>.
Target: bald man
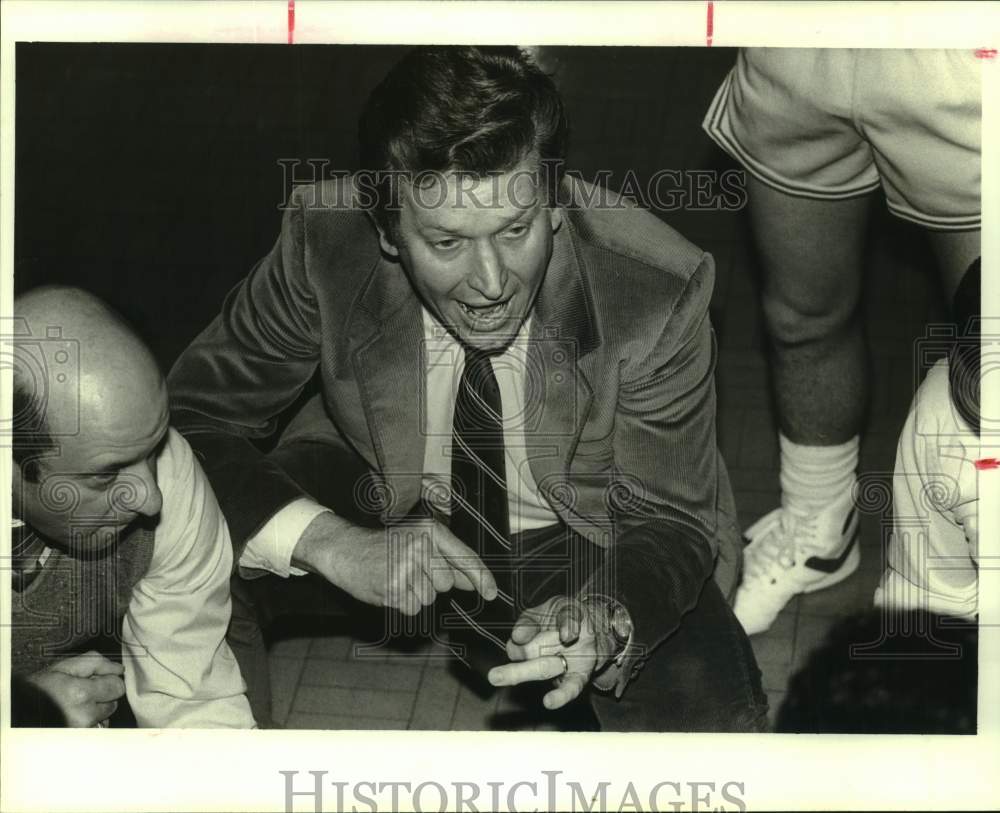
<point>121,556</point>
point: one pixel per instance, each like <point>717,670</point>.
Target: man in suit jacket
<point>465,242</point>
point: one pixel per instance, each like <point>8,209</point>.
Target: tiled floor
<point>339,681</point>
<point>323,681</point>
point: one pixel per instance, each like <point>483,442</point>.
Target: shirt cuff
<point>272,546</point>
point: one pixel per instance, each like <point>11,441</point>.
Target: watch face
<point>621,623</point>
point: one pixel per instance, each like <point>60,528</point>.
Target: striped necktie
<point>479,515</point>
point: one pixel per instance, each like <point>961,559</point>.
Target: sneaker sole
<point>851,564</point>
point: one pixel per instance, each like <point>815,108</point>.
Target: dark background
<point>149,174</point>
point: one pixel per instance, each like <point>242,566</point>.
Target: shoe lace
<point>776,541</point>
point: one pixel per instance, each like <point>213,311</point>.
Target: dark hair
<point>917,675</point>
<point>963,359</point>
<point>460,108</point>
<point>31,430</point>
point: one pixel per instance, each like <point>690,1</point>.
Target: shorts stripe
<point>724,121</point>
<point>969,223</point>
<point>713,127</point>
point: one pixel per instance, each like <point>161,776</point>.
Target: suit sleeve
<point>179,670</point>
<point>242,371</point>
<point>664,497</point>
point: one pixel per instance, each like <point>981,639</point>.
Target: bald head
<point>90,410</point>
<point>113,366</point>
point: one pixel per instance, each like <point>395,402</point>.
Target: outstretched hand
<point>403,566</point>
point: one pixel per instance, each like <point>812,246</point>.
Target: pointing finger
<point>464,560</point>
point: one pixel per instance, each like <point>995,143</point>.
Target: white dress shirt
<point>179,670</point>
<point>444,360</point>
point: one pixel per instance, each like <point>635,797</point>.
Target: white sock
<point>814,476</point>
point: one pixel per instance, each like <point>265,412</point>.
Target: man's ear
<point>384,240</point>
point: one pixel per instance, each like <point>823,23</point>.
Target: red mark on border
<point>710,23</point>
<point>291,21</point>
<point>987,463</point>
<point>985,53</point>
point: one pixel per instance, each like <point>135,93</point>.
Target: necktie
<point>478,630</point>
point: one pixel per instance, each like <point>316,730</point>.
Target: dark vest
<point>76,601</point>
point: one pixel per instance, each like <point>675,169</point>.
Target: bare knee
<point>793,323</point>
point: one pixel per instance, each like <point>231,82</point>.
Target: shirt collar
<point>439,340</point>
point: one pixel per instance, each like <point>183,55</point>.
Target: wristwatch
<point>619,624</point>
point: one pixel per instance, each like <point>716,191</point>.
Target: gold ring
<point>565,664</point>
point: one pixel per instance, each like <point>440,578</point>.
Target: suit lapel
<point>386,336</point>
<point>564,335</point>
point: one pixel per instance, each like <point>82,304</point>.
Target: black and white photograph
<point>471,391</point>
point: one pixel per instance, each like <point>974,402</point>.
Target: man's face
<point>105,476</point>
<point>476,250</point>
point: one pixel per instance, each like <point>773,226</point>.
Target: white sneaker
<point>788,553</point>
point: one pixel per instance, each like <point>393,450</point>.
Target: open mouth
<point>485,317</point>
